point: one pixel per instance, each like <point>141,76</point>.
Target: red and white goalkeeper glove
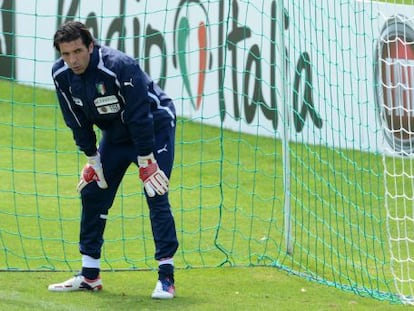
<point>92,171</point>
<point>155,181</point>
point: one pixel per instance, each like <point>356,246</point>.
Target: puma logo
<point>128,83</point>
<point>163,149</point>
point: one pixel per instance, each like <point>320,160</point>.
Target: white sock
<point>166,261</point>
<point>90,262</point>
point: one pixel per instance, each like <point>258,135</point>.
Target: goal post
<point>394,76</point>
<point>294,138</point>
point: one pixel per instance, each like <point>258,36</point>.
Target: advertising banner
<point>222,63</point>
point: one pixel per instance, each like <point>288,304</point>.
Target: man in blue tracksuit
<point>100,86</point>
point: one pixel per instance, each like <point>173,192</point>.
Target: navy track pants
<point>96,202</point>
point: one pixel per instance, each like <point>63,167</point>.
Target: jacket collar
<point>94,60</point>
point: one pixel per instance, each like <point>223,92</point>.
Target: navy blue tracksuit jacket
<point>136,118</point>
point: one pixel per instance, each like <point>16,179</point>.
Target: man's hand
<point>92,171</point>
<point>155,181</point>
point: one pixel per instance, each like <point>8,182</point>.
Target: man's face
<point>76,55</point>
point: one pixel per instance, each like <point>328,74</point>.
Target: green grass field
<point>243,289</point>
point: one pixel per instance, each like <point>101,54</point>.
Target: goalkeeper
<point>100,86</point>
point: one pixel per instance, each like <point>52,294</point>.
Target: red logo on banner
<point>398,86</point>
<point>394,75</point>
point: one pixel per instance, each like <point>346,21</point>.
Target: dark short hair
<point>71,31</point>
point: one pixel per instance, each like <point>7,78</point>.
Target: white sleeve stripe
<point>157,100</point>
<point>55,74</point>
<point>60,70</point>
<point>102,67</point>
<point>70,107</point>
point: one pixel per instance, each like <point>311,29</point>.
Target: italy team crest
<point>100,87</point>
